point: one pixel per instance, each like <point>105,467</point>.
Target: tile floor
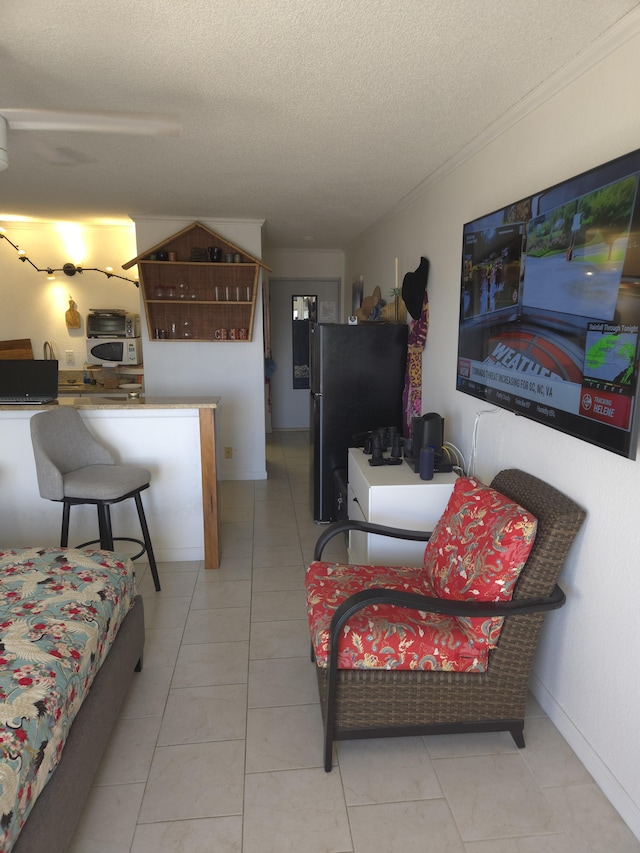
<point>219,748</point>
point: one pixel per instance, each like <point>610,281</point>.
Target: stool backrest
<point>62,443</point>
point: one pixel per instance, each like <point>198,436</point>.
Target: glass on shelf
<point>183,290</point>
<point>158,292</point>
<point>170,292</point>
<point>186,329</point>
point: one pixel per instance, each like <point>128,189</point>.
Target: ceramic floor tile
<point>236,541</point>
<point>237,532</point>
<point>148,692</point>
<point>231,569</point>
<point>204,835</point>
<point>268,536</point>
<point>194,781</point>
<point>174,584</point>
<point>549,756</point>
<point>283,605</point>
<point>272,490</point>
<point>284,555</point>
<point>230,513</point>
<point>272,579</point>
<point>494,796</point>
<point>589,818</point>
<point>275,509</point>
<point>411,827</point>
<point>279,639</point>
<point>207,664</point>
<point>179,566</point>
<point>386,770</point>
<point>108,822</point>
<point>237,492</point>
<point>557,843</point>
<point>161,646</point>
<point>210,596</point>
<point>472,743</point>
<point>282,681</point>
<point>199,714</point>
<point>284,738</point>
<point>229,624</point>
<point>166,612</point>
<point>296,811</point>
<point>128,755</point>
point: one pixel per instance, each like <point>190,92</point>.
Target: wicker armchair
<point>363,703</point>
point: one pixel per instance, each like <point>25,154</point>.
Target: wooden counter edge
<point>209,488</point>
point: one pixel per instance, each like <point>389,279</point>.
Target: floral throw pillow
<point>478,549</point>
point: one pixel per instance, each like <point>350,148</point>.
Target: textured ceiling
<point>318,116</point>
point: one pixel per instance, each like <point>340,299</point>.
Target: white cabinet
<point>396,496</point>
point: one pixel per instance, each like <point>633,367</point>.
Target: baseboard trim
<point>628,810</point>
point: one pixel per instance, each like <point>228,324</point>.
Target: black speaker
<point>432,435</point>
<point>426,431</point>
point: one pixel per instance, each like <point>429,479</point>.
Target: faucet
<point>47,351</point>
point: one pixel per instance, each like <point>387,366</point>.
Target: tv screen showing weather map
<point>550,306</point>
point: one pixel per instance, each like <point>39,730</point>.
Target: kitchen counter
<point>174,437</point>
<point>111,400</point>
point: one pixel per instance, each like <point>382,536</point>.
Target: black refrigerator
<point>356,381</point>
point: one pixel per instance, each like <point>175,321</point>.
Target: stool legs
<point>64,533</point>
<point>106,532</point>
<point>147,542</point>
<point>104,526</point>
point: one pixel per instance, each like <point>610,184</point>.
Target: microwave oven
<point>112,323</point>
<point>114,351</point>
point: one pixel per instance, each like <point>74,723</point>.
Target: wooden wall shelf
<point>191,300</point>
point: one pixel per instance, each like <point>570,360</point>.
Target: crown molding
<point>616,36</point>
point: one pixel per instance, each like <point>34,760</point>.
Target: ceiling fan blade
<point>4,157</point>
<point>141,124</point>
<point>54,155</point>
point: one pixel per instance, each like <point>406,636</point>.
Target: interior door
<point>290,405</point>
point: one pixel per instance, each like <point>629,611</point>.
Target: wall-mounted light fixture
<point>68,269</point>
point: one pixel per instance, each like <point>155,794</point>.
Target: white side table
<point>396,496</point>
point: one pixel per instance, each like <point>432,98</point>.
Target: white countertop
<point>107,402</point>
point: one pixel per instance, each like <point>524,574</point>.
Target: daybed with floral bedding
<point>71,636</point>
<point>447,647</point>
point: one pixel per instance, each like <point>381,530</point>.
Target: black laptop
<point>28,381</point>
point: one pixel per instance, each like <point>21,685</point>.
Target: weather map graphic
<point>610,356</point>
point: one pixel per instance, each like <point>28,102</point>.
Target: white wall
<point>234,372</point>
<point>585,672</point>
<point>305,263</point>
<point>33,307</point>
<point>287,407</point>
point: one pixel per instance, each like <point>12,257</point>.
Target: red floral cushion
<point>386,636</point>
<point>478,549</point>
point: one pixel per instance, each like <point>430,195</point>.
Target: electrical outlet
<point>228,453</point>
<point>69,357</point>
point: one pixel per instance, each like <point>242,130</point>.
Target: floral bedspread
<point>60,610</point>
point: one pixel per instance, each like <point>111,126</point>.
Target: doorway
<point>290,404</point>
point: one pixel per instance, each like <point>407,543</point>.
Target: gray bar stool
<point>73,467</point>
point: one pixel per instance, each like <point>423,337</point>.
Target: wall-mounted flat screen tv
<point>550,306</point>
